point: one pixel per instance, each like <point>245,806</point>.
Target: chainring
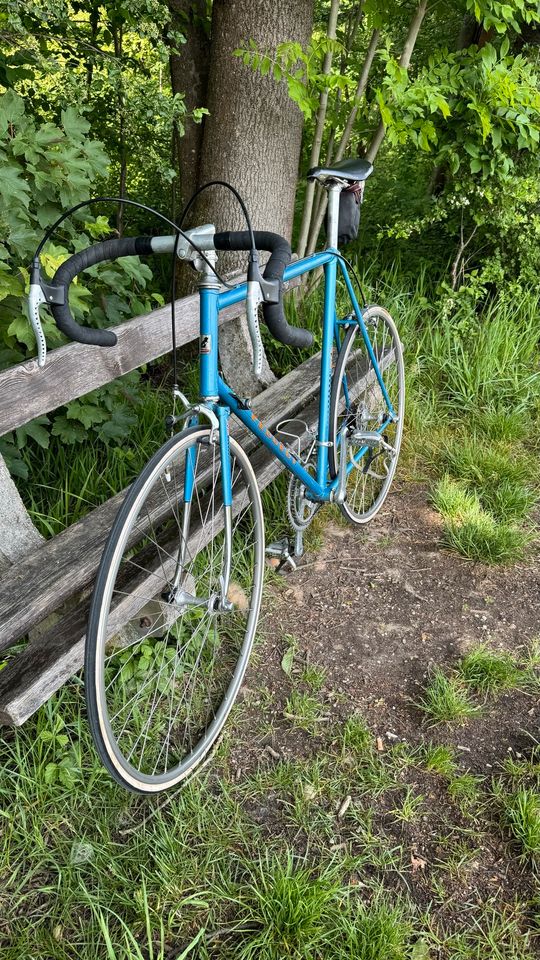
<point>300,510</point>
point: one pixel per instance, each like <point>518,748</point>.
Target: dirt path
<point>378,607</point>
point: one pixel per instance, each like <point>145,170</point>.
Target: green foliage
<point>521,816</point>
<point>503,15</point>
<point>474,532</point>
<point>488,670</point>
<point>445,699</point>
<point>44,168</point>
<point>475,109</point>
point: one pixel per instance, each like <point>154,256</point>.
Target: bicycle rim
<point>358,400</point>
<point>164,659</point>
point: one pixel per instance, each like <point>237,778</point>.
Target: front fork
<point>180,587</point>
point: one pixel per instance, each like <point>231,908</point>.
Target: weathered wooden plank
<point>26,391</point>
<point>34,587</point>
<point>49,661</point>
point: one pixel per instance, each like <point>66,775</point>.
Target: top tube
<point>295,269</point>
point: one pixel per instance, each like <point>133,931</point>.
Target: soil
<point>377,608</point>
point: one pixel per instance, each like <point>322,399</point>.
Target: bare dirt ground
<point>377,607</point>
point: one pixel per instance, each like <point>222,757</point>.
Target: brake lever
<point>35,299</point>
<point>259,291</point>
<point>41,293</point>
<point>253,299</point>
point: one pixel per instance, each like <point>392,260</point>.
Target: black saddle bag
<point>349,214</point>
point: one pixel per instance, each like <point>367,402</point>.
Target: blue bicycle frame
<point>215,393</point>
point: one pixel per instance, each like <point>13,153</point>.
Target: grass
<point>305,711</point>
<point>440,759</point>
<point>446,700</point>
<point>521,816</point>
<point>465,790</point>
<point>504,483</point>
<point>261,868</point>
<point>473,532</point>
<point>489,671</point>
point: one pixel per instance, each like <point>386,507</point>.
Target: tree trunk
<point>253,134</point>
<point>189,76</point>
<point>404,61</point>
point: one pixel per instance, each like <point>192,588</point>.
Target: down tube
<point>330,275</point>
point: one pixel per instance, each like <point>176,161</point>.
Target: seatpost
<point>334,191</point>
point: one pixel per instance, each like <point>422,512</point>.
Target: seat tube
<point>330,272</point>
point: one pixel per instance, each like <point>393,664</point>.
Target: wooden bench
<point>57,577</point>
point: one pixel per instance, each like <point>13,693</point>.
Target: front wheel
<point>174,612</point>
<point>370,417</point>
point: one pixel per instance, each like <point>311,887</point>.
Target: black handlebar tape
<point>280,251</point>
<point>97,253</point>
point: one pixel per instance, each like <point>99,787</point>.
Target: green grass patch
<point>446,699</point>
<point>465,790</point>
<point>440,759</point>
<point>501,476</point>
<point>305,711</point>
<point>472,531</point>
<point>287,909</point>
<point>488,670</point>
<point>521,816</point>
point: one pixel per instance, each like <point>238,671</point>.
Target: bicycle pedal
<point>370,438</point>
<point>281,549</point>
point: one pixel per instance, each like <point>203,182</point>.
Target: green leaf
<point>75,126</point>
<point>13,186</point>
<point>421,951</point>
<point>51,772</point>
<point>36,430</point>
<point>68,430</point>
<point>11,110</point>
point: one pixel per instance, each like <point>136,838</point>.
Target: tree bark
<point>189,76</point>
<point>404,61</point>
<point>253,133</point>
<point>318,135</point>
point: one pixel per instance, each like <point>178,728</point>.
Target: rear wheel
<point>174,613</point>
<point>359,403</point>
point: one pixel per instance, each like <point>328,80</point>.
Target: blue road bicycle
<point>178,592</point>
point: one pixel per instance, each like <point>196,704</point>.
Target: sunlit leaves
<point>501,16</point>
<point>475,106</point>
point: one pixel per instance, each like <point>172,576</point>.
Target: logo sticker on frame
<point>205,344</point>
